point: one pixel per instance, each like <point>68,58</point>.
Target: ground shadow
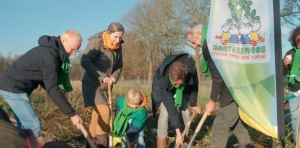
<point>57,144</point>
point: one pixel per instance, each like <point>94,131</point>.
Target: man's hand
<point>179,139</point>
<point>113,80</point>
<point>76,120</point>
<point>196,109</point>
<point>107,80</point>
<point>210,106</point>
<point>287,60</point>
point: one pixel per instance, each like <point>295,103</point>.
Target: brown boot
<point>161,143</point>
<point>102,141</point>
<point>87,145</point>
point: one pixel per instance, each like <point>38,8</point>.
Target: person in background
<point>291,66</point>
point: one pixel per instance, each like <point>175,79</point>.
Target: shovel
<point>186,129</point>
<point>87,136</point>
<point>111,120</point>
<point>197,129</point>
<point>127,141</point>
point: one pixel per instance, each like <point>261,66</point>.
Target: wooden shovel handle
<point>201,121</point>
<point>127,141</point>
<point>111,120</point>
<point>198,129</point>
<point>187,126</point>
<point>87,136</point>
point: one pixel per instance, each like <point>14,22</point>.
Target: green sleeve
<point>141,118</point>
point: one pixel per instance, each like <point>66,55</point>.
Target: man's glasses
<point>73,49</point>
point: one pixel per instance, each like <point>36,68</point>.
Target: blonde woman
<point>102,61</point>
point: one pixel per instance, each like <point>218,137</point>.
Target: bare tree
<point>134,57</point>
<point>290,12</point>
<point>142,18</point>
<point>160,26</point>
<point>168,26</point>
<point>76,71</point>
<point>193,11</point>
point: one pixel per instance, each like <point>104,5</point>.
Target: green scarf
<point>179,92</point>
<point>64,82</point>
<point>295,66</point>
<point>121,121</point>
<point>204,67</point>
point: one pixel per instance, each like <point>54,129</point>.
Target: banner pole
<point>279,74</point>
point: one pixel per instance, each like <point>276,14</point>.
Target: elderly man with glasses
<point>45,65</point>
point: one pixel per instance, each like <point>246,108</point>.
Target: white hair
<point>193,29</point>
<point>71,34</point>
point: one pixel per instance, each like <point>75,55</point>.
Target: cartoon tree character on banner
<point>245,30</point>
<point>225,35</point>
<point>255,34</point>
<point>234,35</point>
<point>247,24</point>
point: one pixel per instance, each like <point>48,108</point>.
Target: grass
<point>60,132</point>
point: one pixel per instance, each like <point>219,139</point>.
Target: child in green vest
<point>131,117</point>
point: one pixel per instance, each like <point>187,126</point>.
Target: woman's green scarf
<point>295,66</point>
<point>179,92</point>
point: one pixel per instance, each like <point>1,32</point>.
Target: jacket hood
<point>53,42</point>
<point>49,41</point>
<point>145,101</point>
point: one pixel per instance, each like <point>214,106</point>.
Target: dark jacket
<point>39,66</point>
<point>163,91</point>
<point>219,91</point>
<point>99,62</point>
<point>287,69</point>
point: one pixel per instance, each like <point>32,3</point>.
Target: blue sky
<point>22,22</point>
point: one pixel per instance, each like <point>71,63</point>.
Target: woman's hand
<point>287,60</point>
<point>107,80</point>
<point>113,80</point>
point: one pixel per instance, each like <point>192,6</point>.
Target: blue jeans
<point>293,105</point>
<point>139,140</point>
<point>22,109</point>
